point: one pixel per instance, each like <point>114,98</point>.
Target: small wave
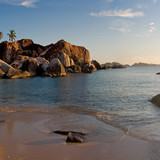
<point>104,117</point>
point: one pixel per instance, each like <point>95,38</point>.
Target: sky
<point>125,31</point>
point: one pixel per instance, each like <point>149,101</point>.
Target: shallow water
<point>118,97</point>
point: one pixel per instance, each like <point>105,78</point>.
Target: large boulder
<point>31,65</point>
<point>96,64</point>
<point>89,68</point>
<point>16,73</point>
<point>43,65</point>
<point>77,53</point>
<point>76,68</point>
<point>25,43</point>
<point>56,68</point>
<point>1,73</point>
<point>156,100</point>
<point>8,51</point>
<point>4,67</point>
<point>105,67</point>
<point>65,60</point>
<point>71,62</point>
<point>42,60</point>
<point>18,61</point>
<point>24,47</point>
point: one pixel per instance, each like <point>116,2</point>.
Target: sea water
<point>120,97</point>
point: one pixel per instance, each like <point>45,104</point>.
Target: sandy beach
<point>27,136</point>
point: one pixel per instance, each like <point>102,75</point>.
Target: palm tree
<point>1,35</point>
<point>12,35</point>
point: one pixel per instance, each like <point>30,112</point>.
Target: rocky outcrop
<point>77,53</point>
<point>104,67</point>
<point>113,65</point>
<point>1,73</point>
<point>65,60</point>
<point>16,73</point>
<point>51,60</point>
<point>72,62</point>
<point>4,67</point>
<point>156,100</point>
<point>56,68</point>
<point>18,61</point>
<point>96,64</point>
<point>8,51</point>
<point>24,47</point>
<point>89,68</point>
<point>25,43</point>
<point>31,65</point>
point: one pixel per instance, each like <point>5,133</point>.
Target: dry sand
<point>27,136</point>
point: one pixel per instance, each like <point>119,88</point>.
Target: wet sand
<point>27,136</point>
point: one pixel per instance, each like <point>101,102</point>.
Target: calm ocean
<point>118,97</point>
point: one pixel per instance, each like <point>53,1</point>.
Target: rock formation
<point>24,58</point>
<point>56,68</point>
<point>77,53</point>
<point>156,100</point>
<point>113,65</point>
<point>96,64</point>
<point>89,68</point>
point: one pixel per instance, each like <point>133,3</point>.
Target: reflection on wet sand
<point>28,136</point>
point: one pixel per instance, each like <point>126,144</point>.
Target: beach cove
<point>120,124</point>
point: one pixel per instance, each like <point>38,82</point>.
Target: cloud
<point>139,6</point>
<point>152,28</point>
<point>29,3</point>
<point>118,13</point>
<point>151,24</point>
<point>155,1</point>
<point>121,25</point>
<point>109,0</point>
<point>25,3</point>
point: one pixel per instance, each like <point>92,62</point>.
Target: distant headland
<point>145,64</point>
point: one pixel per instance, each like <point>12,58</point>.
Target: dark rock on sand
<point>72,136</point>
<point>67,132</point>
<point>75,138</point>
<point>156,100</point>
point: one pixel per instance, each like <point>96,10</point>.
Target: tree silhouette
<point>1,35</point>
<point>12,35</point>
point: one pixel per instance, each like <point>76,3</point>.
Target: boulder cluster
<point>24,58</point>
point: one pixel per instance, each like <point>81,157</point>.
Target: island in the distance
<point>144,64</point>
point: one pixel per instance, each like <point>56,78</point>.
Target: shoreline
<point>27,136</point>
